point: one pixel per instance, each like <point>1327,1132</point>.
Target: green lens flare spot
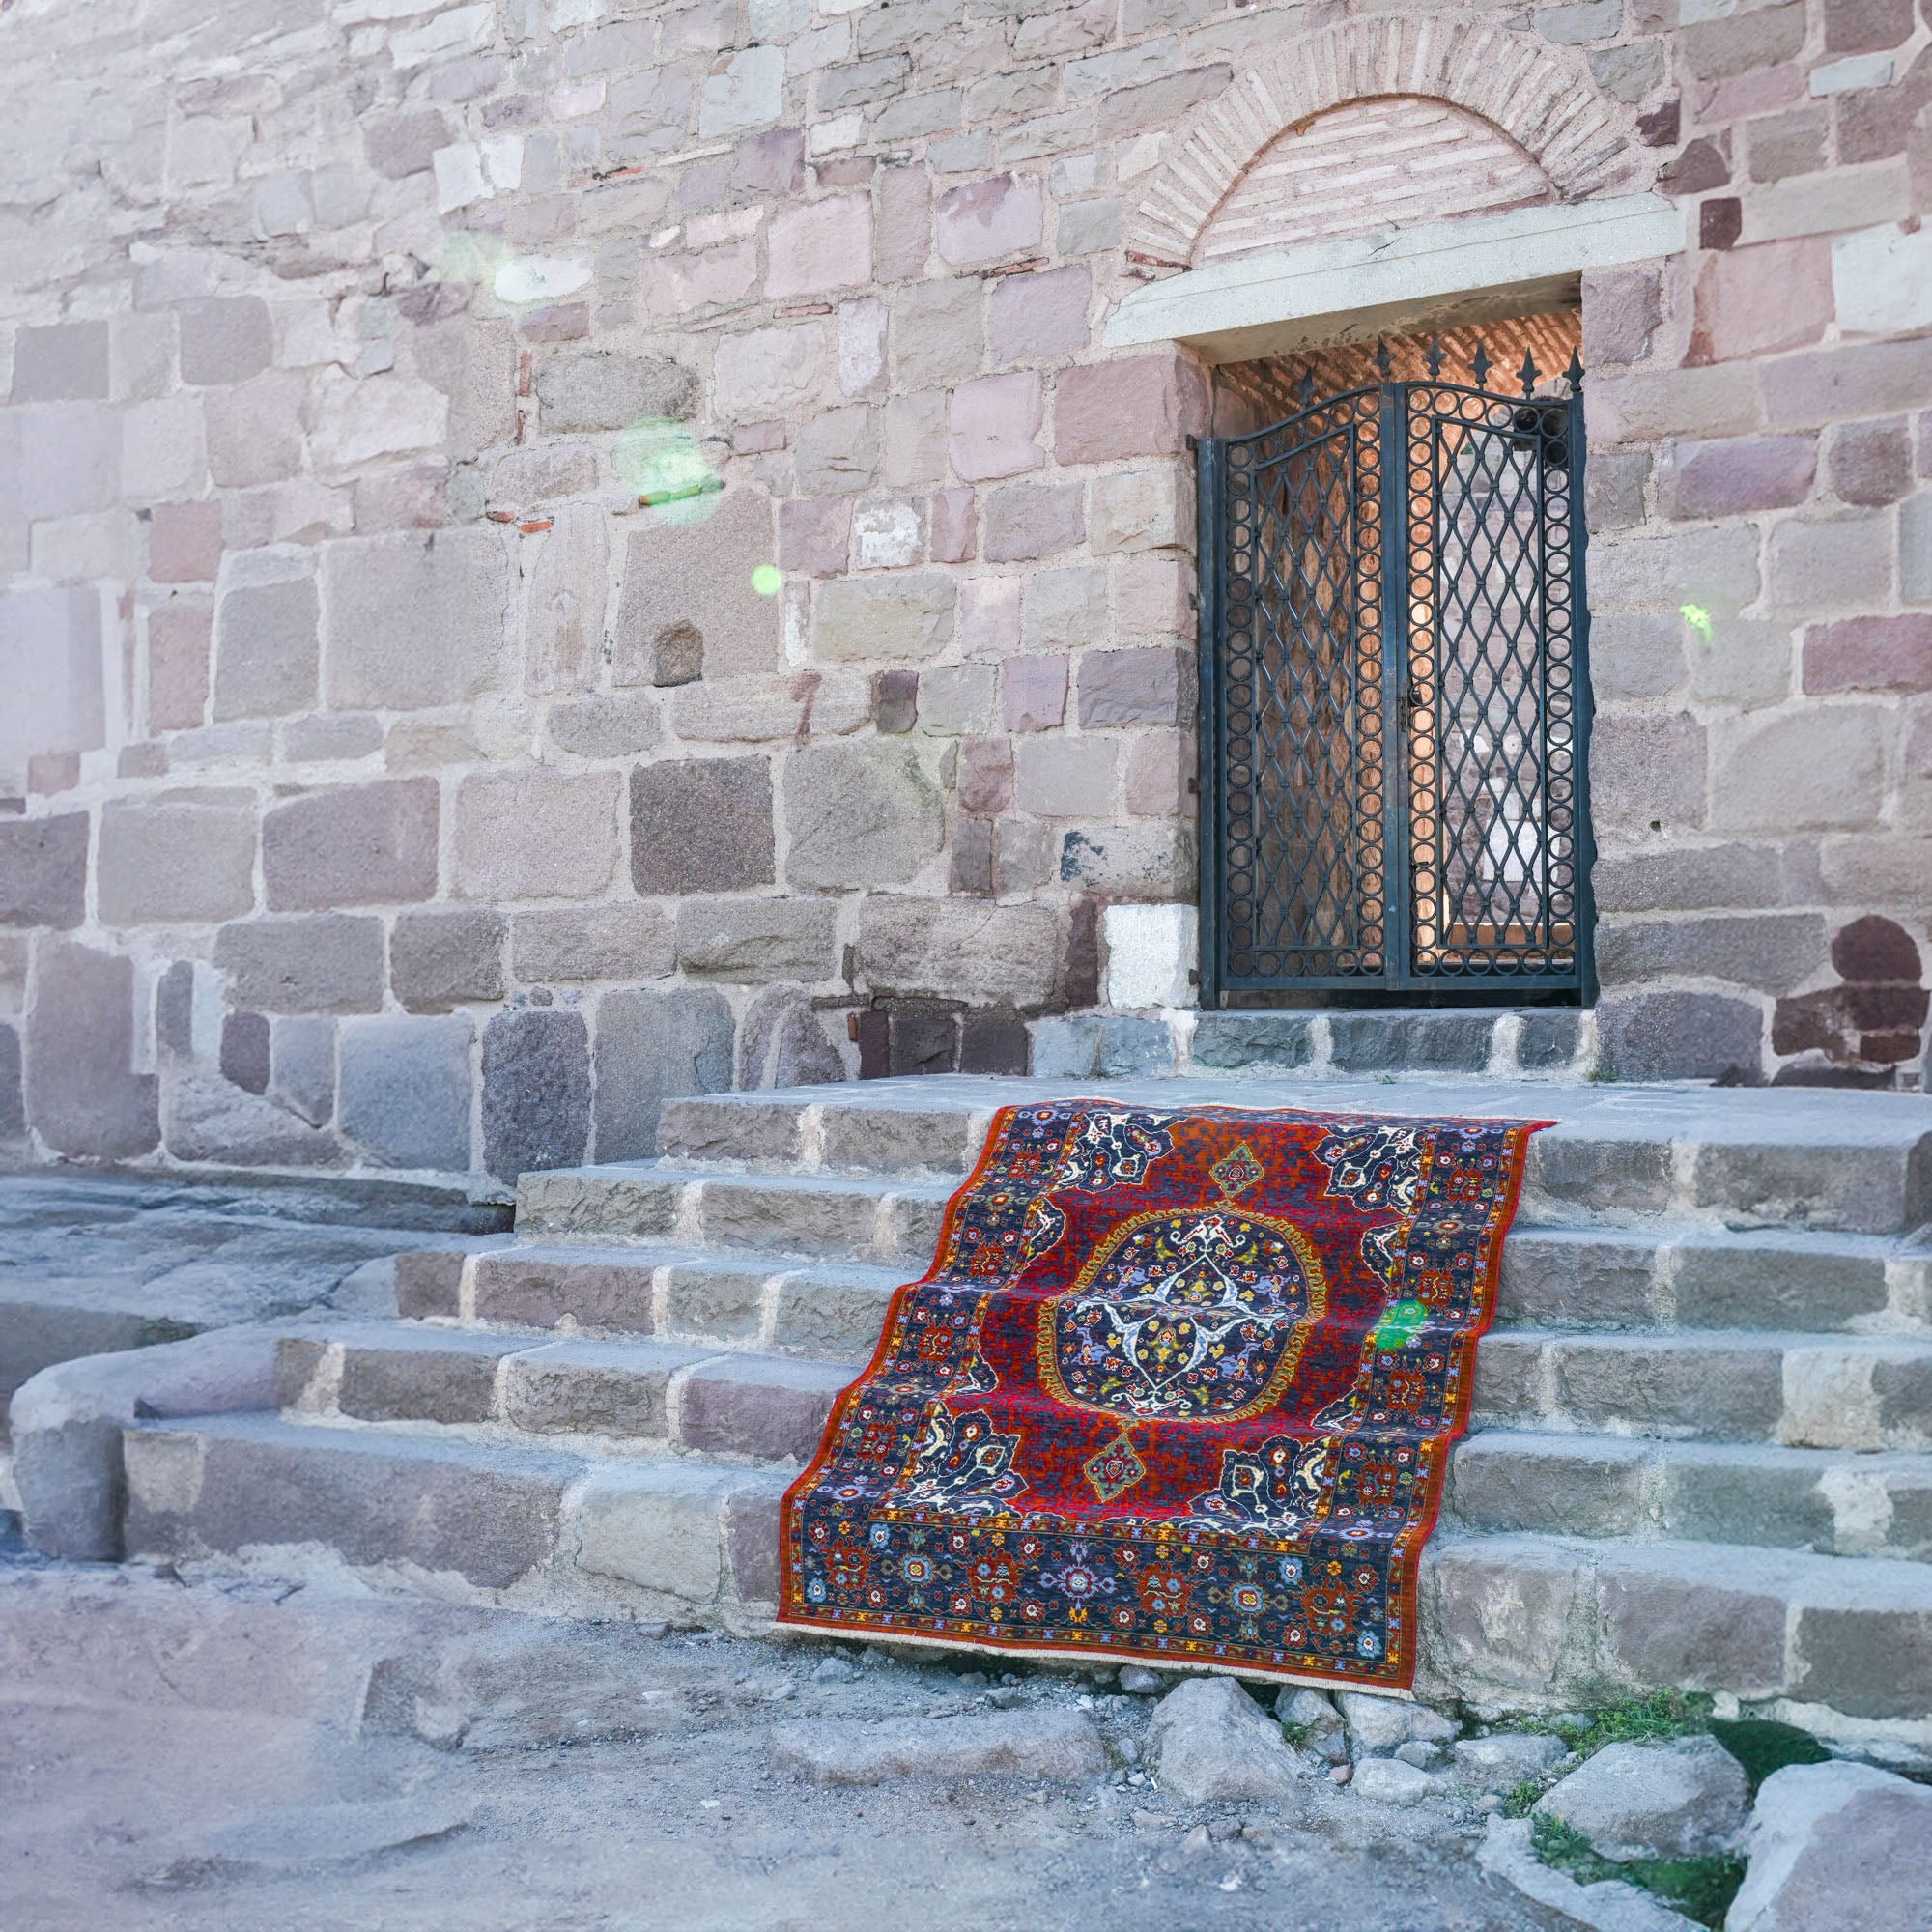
<point>767,580</point>
<point>1698,617</point>
<point>1401,1324</point>
<point>662,462</point>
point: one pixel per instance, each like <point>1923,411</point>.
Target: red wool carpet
<point>1179,1387</point>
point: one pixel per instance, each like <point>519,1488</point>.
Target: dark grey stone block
<point>782,1042</point>
<point>244,1051</point>
<point>537,1290</point>
<point>1696,1624</point>
<point>536,1090</point>
<point>452,1379</point>
<point>429,1281</point>
<point>301,1067</point>
<point>1102,1046</point>
<point>1547,1039</point>
<point>702,825</point>
<point>1252,1039</point>
<point>649,1047</point>
<point>1411,1042</point>
<point>405,1090</point>
<point>1680,1036</point>
<point>1731,1285</point>
<point>438,959</point>
<point>12,1087</point>
<point>44,870</point>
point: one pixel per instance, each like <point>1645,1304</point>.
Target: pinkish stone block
<point>985,219</point>
<point>1735,476</point>
<point>816,246</point>
<point>816,534</point>
<point>757,439</point>
<point>905,223</point>
<point>986,774</point>
<point>991,422</point>
<point>1160,766</point>
<point>178,636</point>
<point>1034,693</point>
<point>954,522</point>
<point>1870,654</point>
<point>1031,520</point>
<point>989,616</point>
<point>184,542</point>
<point>1142,406</point>
<point>1150,595</point>
<point>1754,301</point>
<point>1041,314</point>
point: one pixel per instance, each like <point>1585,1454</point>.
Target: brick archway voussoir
<point>1546,101</point>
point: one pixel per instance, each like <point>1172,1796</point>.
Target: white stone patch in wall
<point>861,344</point>
<point>829,137</point>
<point>572,102</point>
<point>1140,155</point>
<point>566,13</point>
<point>1882,280</point>
<point>1151,951</point>
<point>539,278</point>
<point>707,231</point>
<point>750,93</point>
<point>459,175</point>
<point>1856,71</point>
<point>463,30</point>
<point>885,536</point>
<point>203,152</point>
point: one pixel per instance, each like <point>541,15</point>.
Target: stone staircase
<point>1701,1454</point>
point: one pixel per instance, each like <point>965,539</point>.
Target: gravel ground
<point>199,1756</point>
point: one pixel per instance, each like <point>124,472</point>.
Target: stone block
<point>314,963</point>
<point>701,825</point>
<point>981,220</point>
<point>1680,1036</point>
<point>838,450</point>
<point>782,372</point>
<point>1065,609</point>
<point>82,1096</point>
<point>613,724</point>
<point>1152,952</point>
<point>694,581</point>
<point>1815,768</point>
<point>1120,688</point>
<point>1129,862</point>
<point>782,1041</point>
<point>991,423</point>
<point>1870,464</point>
<point>1141,406</point>
<point>177,858</point>
<point>404,1090</point>
<point>564,637</point>
<point>536,1090</point>
<point>815,246</point>
<point>255,430</point>
<point>1148,507</point>
<point>746,92</point>
<point>597,1388</point>
<point>596,389</point>
<point>1830,566</point>
<point>1058,777</point>
<point>815,535</point>
<point>1043,314</point>
<point>1869,654</point>
<point>414,618</point>
<point>536,833</point>
<point>580,943</point>
<point>986,776</point>
<point>44,870</point>
<point>439,959</point>
<point>225,339</point>
<point>1230,1041</point>
<point>61,362</point>
<point>904,198</point>
<point>1759,301</point>
<point>1101,1046</point>
<point>773,1409</point>
<point>958,950</point>
<point>866,813</point>
<point>746,940</point>
<point>658,1526</point>
<point>1773,953</point>
<point>1033,695</point>
<point>1736,475</point>
<point>373,844</point>
<point>301,1067</point>
<point>267,651</point>
<point>1647,770</point>
<point>1032,520</point>
<point>324,741</point>
<point>907,615</point>
<point>651,1046</point>
<point>1686,1618</point>
<point>177,655</point>
<point>72,451</point>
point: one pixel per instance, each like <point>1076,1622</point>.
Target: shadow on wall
<point>1863,1031</point>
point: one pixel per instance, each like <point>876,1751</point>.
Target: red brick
<point>1870,654</point>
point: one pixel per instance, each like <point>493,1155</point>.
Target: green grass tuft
<point>1651,1719</point>
<point>1701,1889</point>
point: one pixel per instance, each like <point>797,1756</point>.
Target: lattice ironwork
<point>1394,705</point>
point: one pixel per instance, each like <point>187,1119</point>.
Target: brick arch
<point>1545,103</point>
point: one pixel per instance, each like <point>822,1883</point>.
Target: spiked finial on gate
<point>1384,367</point>
<point>1527,374</point>
<point>1573,375</point>
<point>1480,364</point>
<point>1304,390</point>
<point>1434,359</point>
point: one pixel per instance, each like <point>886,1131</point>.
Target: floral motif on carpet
<point>1180,1386</point>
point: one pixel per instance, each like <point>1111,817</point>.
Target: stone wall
<point>561,550</point>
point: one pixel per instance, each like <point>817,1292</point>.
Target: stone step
<point>812,1217</point>
<point>1527,1621</point>
<point>1803,1157</point>
<point>832,1309</point>
<point>1833,1503</point>
<point>1689,1276</point>
<point>1853,1392</point>
<point>590,1394</point>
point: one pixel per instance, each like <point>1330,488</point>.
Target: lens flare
<point>1698,617</point>
<point>767,580</point>
<point>661,460</point>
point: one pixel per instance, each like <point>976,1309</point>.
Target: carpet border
<point>1407,1548</point>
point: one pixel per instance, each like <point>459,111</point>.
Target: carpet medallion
<point>1180,1386</point>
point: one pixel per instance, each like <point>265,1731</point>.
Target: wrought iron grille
<point>1394,705</point>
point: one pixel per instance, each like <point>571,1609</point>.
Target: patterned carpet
<point>1179,1387</point>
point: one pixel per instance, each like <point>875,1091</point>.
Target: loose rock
<point>1142,1682</point>
<point>1843,1845</point>
<point>1216,1746</point>
<point>1423,1756</point>
<point>1670,1801</point>
<point>1377,1726</point>
<point>834,1670</point>
<point>1502,1762</point>
<point>1060,1746</point>
<point>1605,1907</point>
<point>1327,1734</point>
<point>1388,1780</point>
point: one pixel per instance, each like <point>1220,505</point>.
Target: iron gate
<point>1394,705</point>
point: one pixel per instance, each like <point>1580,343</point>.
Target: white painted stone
<point>1882,280</point>
<point>539,278</point>
<point>829,137</point>
<point>885,536</point>
<point>380,415</point>
<point>1286,297</point>
<point>1151,951</point>
<point>459,175</point>
<point>1856,71</point>
<point>749,94</point>
<point>861,344</point>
